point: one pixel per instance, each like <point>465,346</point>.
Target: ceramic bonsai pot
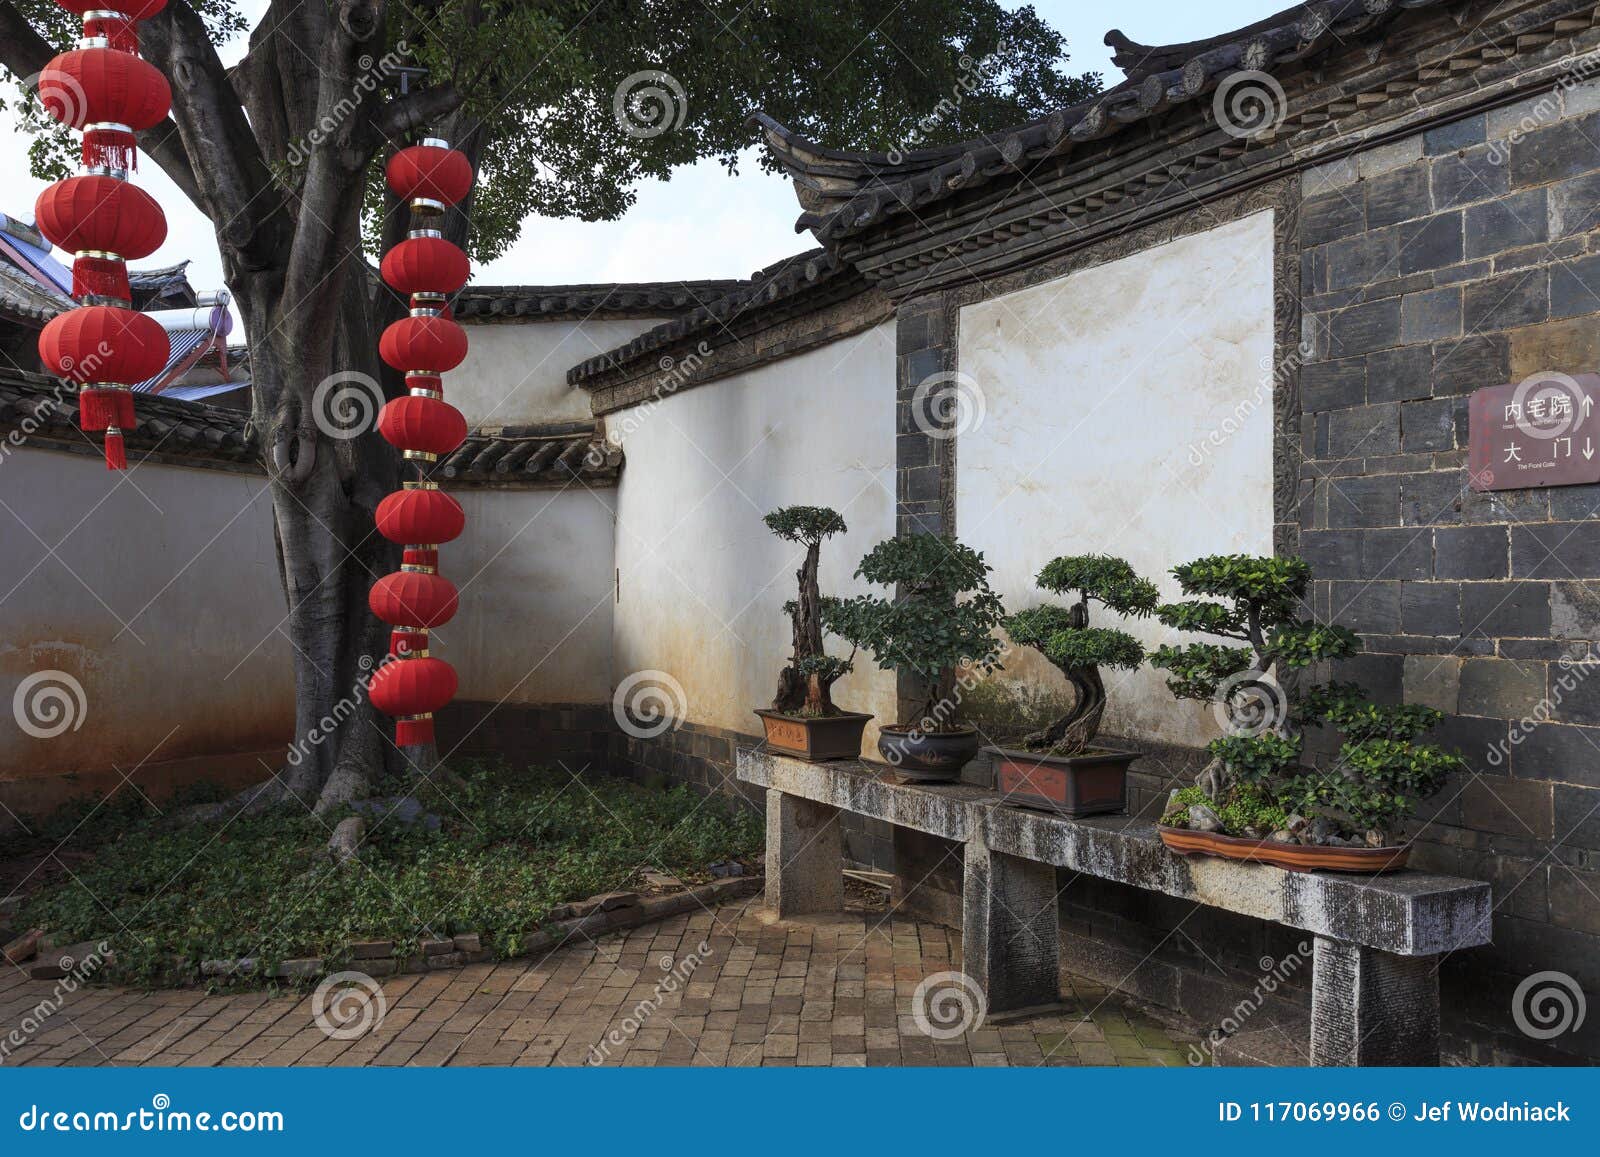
<point>815,737</point>
<point>1091,783</point>
<point>1295,857</point>
<point>931,756</point>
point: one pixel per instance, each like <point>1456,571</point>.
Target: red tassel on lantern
<point>121,33</point>
<point>414,732</point>
<point>116,452</point>
<point>100,277</point>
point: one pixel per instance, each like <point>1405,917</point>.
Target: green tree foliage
<point>540,85</point>
<point>1382,770</point>
<point>1062,634</point>
<point>941,616</point>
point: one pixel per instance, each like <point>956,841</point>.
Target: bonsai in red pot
<point>803,720</point>
<point>1058,767</point>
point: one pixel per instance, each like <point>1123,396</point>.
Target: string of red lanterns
<point>103,88</point>
<point>431,176</point>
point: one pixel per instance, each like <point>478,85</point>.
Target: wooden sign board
<point>1540,432</point>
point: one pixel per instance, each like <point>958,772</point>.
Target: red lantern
<point>431,171</point>
<point>414,687</point>
<point>419,423</point>
<point>104,222</point>
<point>94,212</point>
<point>104,343</point>
<point>424,343</point>
<point>409,598</point>
<point>111,95</point>
<point>408,516</point>
<point>425,265</point>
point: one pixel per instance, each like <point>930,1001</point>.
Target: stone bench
<point>1378,939</point>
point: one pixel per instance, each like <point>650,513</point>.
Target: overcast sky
<point>701,223</point>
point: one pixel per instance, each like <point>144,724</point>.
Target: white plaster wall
<point>534,568</point>
<point>515,373</point>
<point>702,580</point>
<point>1127,410</point>
<point>157,593</point>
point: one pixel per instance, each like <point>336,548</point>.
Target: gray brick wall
<point>1473,260</point>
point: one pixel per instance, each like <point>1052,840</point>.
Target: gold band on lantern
<point>424,311</point>
<point>94,42</point>
<point>421,456</point>
<point>103,171</point>
<point>105,14</point>
<point>426,233</point>
<point>99,254</point>
<point>418,392</point>
<point>420,484</point>
<point>107,126</point>
<point>105,386</point>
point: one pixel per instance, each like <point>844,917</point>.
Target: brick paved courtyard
<point>832,992</point>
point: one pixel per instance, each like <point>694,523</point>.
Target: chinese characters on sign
<point>1539,432</point>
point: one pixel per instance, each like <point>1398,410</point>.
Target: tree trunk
<point>800,693</point>
<point>1075,730</point>
<point>311,390</point>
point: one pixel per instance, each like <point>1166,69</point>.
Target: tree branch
<point>237,192</point>
<point>404,115</point>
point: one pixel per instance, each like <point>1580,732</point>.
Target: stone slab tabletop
<point>1407,913</point>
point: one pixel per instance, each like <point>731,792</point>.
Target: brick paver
<point>723,987</point>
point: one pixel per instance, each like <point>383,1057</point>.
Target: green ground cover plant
<point>510,845</point>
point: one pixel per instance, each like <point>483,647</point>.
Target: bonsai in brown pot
<point>803,720</point>
<point>1059,767</point>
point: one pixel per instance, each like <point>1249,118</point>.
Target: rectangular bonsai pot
<point>1089,784</point>
<point>815,738</point>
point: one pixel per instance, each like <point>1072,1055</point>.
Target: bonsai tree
<point>1062,634</point>
<point>1256,783</point>
<point>1254,601</point>
<point>942,615</point>
<point>805,686</point>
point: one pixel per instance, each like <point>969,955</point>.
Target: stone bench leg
<point>1373,1008</point>
<point>1010,932</point>
<point>805,858</point>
